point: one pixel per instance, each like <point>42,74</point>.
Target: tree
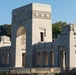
<point>5,30</point>
<point>57,28</point>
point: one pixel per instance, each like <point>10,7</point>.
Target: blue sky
<point>62,10</point>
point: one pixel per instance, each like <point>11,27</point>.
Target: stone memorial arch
<point>30,25</point>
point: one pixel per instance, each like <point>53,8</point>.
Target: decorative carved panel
<point>22,15</point>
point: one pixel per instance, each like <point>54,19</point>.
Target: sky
<point>62,10</point>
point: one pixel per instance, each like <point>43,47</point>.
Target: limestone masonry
<point>31,44</point>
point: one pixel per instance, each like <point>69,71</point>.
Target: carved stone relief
<point>41,15</point>
<point>20,15</point>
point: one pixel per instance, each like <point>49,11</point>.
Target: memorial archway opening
<point>20,47</point>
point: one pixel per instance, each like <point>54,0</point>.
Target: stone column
<point>61,59</point>
<point>36,59</point>
<point>45,59</point>
<point>52,54</point>
<point>64,57</point>
<point>42,59</point>
<point>49,59</point>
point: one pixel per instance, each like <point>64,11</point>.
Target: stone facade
<point>5,48</point>
<point>32,45</point>
<point>4,41</point>
<point>33,21</point>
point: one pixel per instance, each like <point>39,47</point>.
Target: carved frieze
<point>22,15</point>
<point>41,15</point>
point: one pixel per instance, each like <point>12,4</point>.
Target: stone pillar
<point>56,58</point>
<point>64,58</point>
<point>52,58</point>
<point>61,59</point>
<point>42,59</point>
<point>49,59</point>
<point>45,59</point>
<point>7,58</point>
<point>38,59</point>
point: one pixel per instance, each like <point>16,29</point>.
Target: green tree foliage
<point>5,30</point>
<point>57,28</point>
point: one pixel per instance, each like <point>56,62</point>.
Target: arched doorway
<point>20,47</point>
